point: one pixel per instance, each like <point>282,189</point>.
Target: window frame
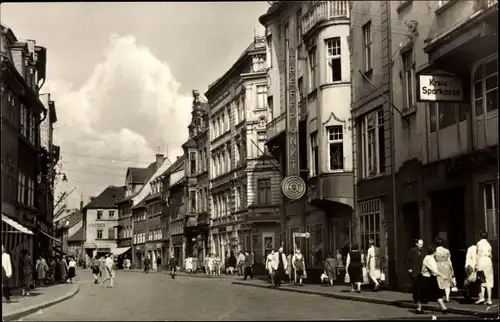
<point>313,68</point>
<point>99,230</point>
<point>364,143</point>
<point>331,131</point>
<point>261,91</point>
<point>313,142</point>
<point>485,114</point>
<point>269,42</point>
<point>331,57</point>
<point>99,214</point>
<point>408,71</point>
<point>264,192</point>
<point>367,46</point>
<point>493,211</point>
<point>298,24</point>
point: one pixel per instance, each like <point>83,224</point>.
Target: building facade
<point>424,169</point>
<point>100,222</point>
<point>26,167</point>
<point>146,225</point>
<point>176,209</point>
<point>309,133</point>
<point>196,168</point>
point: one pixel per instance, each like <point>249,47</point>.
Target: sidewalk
<point>39,299</point>
<point>382,297</point>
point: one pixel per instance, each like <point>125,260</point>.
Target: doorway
<point>411,222</point>
<point>448,222</point>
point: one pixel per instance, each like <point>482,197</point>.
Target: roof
<point>128,198</point>
<point>107,199</point>
<point>141,203</point>
<point>175,166</point>
<point>72,219</point>
<point>138,175</point>
<point>78,236</point>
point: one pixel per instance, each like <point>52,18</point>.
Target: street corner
<point>46,297</point>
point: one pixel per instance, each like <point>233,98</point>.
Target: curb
<point>401,304</point>
<point>16,315</point>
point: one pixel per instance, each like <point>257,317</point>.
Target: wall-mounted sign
<point>97,225</point>
<point>291,117</point>
<point>440,88</point>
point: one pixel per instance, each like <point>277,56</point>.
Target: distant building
<point>67,227</point>
<point>100,222</point>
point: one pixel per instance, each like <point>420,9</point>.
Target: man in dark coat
<point>413,263</point>
<point>248,266</point>
<point>173,266</point>
<point>147,262</point>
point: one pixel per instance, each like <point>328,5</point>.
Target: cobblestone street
<point>157,297</point>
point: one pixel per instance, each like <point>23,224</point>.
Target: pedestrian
<point>279,265</point>
<point>269,267</point>
<point>338,257</point>
<point>71,269</point>
<point>248,266</point>
<point>63,270</point>
<point>446,277</point>
<point>472,284</point>
<point>51,272</point>
<point>127,264</point>
<point>354,267</point>
<point>6,274</point>
<point>299,266</point>
<point>373,264</point>
<point>484,267</point>
<point>41,269</point>
<point>428,288</point>
<point>289,269</point>
<point>231,263</point>
<point>331,269</point>
<point>173,266</point>
<point>147,263</point>
<point>109,270</point>
<point>413,262</point>
<point>96,269</point>
<point>102,266</point>
<point>158,264</point>
<point>240,263</point>
<point>252,255</point>
<point>26,270</point>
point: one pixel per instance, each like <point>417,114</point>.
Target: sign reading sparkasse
<point>440,88</point>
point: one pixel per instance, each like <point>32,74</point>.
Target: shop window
<point>316,245</point>
<point>491,209</point>
<point>369,223</point>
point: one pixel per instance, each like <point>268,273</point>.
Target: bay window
<point>372,144</point>
<point>336,147</point>
<point>333,60</point>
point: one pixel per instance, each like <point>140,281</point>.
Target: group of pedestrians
<point>48,270</point>
<point>103,268</point>
<point>172,263</point>
<point>291,268</point>
<point>433,277</point>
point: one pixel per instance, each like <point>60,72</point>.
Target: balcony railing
<point>323,11</point>
<point>276,126</point>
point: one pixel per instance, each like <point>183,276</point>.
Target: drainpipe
<point>393,153</point>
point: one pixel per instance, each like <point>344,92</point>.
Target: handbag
<point>454,287</point>
<point>347,279</point>
<point>366,279</point>
<point>382,277</point>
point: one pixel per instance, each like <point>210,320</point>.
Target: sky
<point>122,75</point>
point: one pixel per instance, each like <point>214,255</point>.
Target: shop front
<point>177,242</point>
<point>139,255</point>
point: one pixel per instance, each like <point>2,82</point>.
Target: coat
<point>331,268</point>
<point>414,260</point>
<point>6,265</point>
<point>41,268</point>
<point>275,262</point>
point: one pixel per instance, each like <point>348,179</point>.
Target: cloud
<point>130,105</point>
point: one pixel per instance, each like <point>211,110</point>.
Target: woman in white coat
<point>269,267</point>
<point>279,265</point>
<point>484,267</point>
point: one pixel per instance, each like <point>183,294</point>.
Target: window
<point>269,40</point>
<point>261,141</point>
<point>369,223</point>
<point>270,104</point>
<point>372,144</point>
<point>111,233</point>
<point>111,214</point>
<point>10,186</point>
<point>21,188</point>
<point>24,120</point>
<point>99,233</point>
<point>333,60</point>
<point>205,152</point>
<point>312,69</point>
<point>316,245</point>
<point>336,147</point>
<point>449,114</point>
<point>408,79</point>
<point>264,191</point>
<point>486,89</point>
<point>491,209</point>
<point>237,198</point>
<point>314,154</point>
<point>192,200</point>
<point>300,85</point>
<point>367,43</point>
<point>261,96</point>
<point>32,137</point>
<point>31,192</point>
<point>99,214</point>
<point>192,163</point>
<point>242,109</point>
<point>298,23</point>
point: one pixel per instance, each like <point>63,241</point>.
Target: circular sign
<point>293,187</point>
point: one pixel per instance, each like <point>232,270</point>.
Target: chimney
<point>159,160</point>
<point>81,205</point>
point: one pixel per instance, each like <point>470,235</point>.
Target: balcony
<point>322,11</point>
<point>276,127</point>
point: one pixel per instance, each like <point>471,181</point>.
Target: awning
<point>17,226</point>
<point>49,236</point>
<point>120,250</point>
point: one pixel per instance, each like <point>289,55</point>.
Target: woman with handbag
<point>373,264</point>
<point>484,267</point>
<point>354,267</point>
<point>331,269</point>
<point>446,279</point>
